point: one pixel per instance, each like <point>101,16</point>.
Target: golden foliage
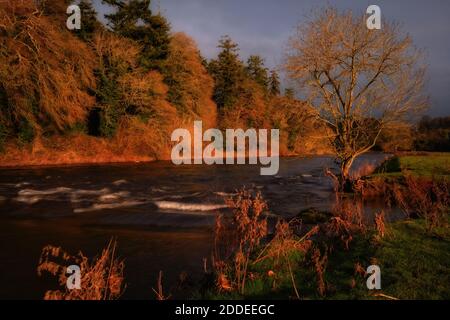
<point>44,70</point>
<point>191,85</point>
<point>397,136</point>
<point>78,148</point>
<point>49,76</point>
<point>142,91</point>
<point>150,138</point>
<point>115,51</point>
<point>249,110</point>
<point>145,93</point>
<point>300,132</point>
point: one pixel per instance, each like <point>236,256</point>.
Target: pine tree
<point>89,22</point>
<point>228,73</point>
<point>134,19</point>
<point>289,93</point>
<point>257,71</point>
<point>274,83</point>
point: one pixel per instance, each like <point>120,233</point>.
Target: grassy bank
<point>422,165</point>
<point>414,265</point>
<point>413,254</point>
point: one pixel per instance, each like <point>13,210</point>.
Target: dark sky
<point>264,26</point>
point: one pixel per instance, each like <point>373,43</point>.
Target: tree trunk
<point>346,184</point>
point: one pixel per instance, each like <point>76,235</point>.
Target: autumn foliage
<point>44,71</point>
<point>97,95</point>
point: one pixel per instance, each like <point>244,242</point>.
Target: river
<point>161,214</point>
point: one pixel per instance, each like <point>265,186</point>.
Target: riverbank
<point>81,149</point>
<point>71,150</point>
<point>421,164</point>
<point>413,254</point>
<point>414,264</point>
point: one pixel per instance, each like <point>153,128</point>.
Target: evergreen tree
<point>89,22</point>
<point>255,70</point>
<point>289,93</point>
<point>228,73</point>
<point>274,83</point>
<point>112,109</point>
<point>134,19</point>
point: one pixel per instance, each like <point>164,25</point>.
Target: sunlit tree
<point>359,80</point>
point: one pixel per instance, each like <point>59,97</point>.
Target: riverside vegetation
<point>324,255</point>
<point>116,94</point>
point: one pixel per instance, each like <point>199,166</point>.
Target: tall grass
<point>101,278</point>
<point>417,196</point>
<point>236,237</point>
<point>380,225</point>
<point>285,250</point>
<point>425,198</point>
<point>159,292</point>
<point>347,221</point>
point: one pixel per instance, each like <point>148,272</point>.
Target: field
<point>423,164</point>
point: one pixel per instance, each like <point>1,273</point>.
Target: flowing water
<point>161,215</point>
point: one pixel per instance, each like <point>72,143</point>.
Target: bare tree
<point>359,80</point>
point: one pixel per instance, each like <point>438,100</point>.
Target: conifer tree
<point>257,71</point>
<point>289,93</point>
<point>89,22</point>
<point>274,83</point>
<point>135,20</point>
<point>228,73</point>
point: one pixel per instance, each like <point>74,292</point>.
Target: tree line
<point>130,80</point>
<point>428,134</point>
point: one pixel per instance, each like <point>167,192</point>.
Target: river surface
<point>161,214</point>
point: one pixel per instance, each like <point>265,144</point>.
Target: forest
<point>115,92</point>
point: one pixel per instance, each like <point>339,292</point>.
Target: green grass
<point>428,165</point>
<point>415,264</point>
<point>432,165</point>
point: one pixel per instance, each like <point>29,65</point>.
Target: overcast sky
<point>264,26</point>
